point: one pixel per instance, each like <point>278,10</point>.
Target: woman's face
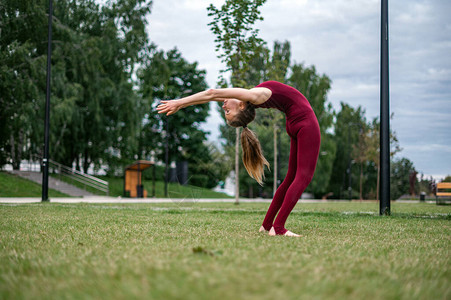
<point>231,107</point>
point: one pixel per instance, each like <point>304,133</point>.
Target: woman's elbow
<point>214,95</point>
<point>211,94</point>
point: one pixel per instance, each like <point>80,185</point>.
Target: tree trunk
<point>86,162</point>
<point>13,151</point>
<point>20,146</point>
<point>237,166</point>
<point>77,163</point>
<point>58,141</point>
<point>361,180</point>
<point>377,185</point>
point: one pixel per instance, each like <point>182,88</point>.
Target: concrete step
<point>54,183</point>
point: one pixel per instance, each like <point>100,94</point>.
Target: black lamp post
<point>384,205</point>
<point>45,160</point>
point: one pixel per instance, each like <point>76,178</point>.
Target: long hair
<point>253,158</point>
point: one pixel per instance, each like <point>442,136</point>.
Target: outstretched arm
<point>255,96</point>
<point>172,106</point>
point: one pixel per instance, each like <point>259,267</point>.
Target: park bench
<point>442,192</point>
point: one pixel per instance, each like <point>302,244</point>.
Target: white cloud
<point>199,5</point>
<point>342,39</point>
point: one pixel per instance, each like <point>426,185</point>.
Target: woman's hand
<point>169,107</point>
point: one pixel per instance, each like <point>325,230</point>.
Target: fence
<point>34,165</point>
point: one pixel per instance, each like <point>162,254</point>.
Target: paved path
<point>105,199</point>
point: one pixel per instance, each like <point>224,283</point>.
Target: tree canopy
<point>106,79</point>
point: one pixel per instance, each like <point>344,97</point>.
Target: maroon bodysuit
<point>302,126</point>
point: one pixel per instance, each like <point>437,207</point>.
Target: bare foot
<point>262,229</point>
<point>272,232</point>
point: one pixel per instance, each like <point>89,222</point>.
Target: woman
<point>301,125</point>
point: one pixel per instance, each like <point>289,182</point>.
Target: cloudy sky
<point>341,38</point>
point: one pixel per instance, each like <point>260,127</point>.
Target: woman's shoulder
<point>272,88</point>
<point>279,88</point>
<point>261,94</point>
<point>275,86</point>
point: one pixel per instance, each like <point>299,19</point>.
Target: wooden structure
<point>442,192</point>
<point>133,186</point>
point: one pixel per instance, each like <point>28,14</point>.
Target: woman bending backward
<point>301,125</point>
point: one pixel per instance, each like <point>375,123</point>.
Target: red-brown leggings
<point>304,149</point>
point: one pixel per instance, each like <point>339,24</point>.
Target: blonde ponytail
<point>253,158</point>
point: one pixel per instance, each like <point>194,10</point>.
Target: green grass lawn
<point>213,251</point>
<point>15,186</point>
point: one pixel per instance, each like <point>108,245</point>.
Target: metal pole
<point>385,115</point>
<point>45,160</point>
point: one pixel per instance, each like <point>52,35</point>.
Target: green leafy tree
<point>372,154</point>
<point>399,177</point>
<point>372,145</point>
<point>237,43</point>
<point>348,123</point>
<point>236,40</point>
<point>22,76</point>
<point>427,185</point>
<point>109,110</point>
<point>166,76</point>
<point>93,106</point>
<point>359,155</point>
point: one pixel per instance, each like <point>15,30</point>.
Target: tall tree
<point>111,40</point>
<point>372,147</point>
<point>347,128</point>
<point>399,178</point>
<point>166,76</point>
<point>95,49</point>
<point>22,75</point>
<point>359,154</point>
<point>237,42</point>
